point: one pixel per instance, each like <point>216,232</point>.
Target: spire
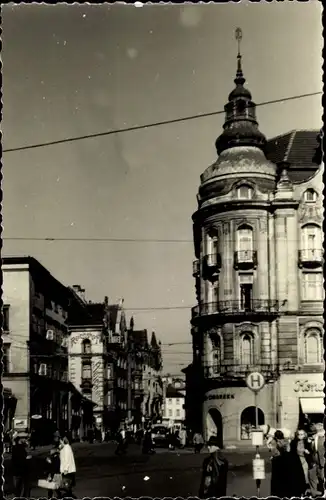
<point>240,127</point>
<point>132,323</point>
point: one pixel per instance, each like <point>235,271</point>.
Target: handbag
<point>47,485</point>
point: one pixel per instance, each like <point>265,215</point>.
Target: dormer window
<point>310,195</point>
<point>244,192</point>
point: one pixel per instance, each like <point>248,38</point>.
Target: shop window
<point>248,421</point>
<point>312,286</point>
<point>87,347</point>
<point>246,349</point>
<point>310,195</point>
<point>313,346</point>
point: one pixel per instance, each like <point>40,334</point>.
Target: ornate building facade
<point>259,277</point>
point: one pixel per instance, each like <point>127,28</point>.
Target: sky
<point>71,70</point>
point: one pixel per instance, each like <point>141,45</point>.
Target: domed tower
<point>234,323</point>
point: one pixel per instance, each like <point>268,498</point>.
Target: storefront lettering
<point>219,396</point>
<point>306,386</point>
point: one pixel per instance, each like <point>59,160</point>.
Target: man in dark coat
<point>20,468</point>
<point>215,471</point>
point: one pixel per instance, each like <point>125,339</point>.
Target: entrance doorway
<point>215,425</point>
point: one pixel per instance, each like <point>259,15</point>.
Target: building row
<point>258,238</point>
<point>71,364</point>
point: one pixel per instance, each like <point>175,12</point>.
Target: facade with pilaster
<point>259,254</point>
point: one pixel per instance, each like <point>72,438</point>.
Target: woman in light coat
<point>67,468</point>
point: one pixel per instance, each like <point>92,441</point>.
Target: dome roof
<point>246,161</point>
<point>240,91</point>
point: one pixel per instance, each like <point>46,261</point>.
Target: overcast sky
<point>80,69</point>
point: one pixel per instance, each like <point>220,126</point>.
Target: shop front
<point>229,413</point>
<point>301,399</point>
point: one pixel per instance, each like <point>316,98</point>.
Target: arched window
<point>87,346</point>
<point>246,349</point>
<point>313,346</point>
<point>248,421</point>
<point>310,195</point>
<point>311,238</point>
<point>244,192</point>
<point>217,354</point>
<point>245,239</point>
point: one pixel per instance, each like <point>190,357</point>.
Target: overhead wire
<point>148,125</point>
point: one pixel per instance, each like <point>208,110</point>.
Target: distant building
<point>96,357</point>
<point>38,394</point>
<point>174,412</point>
<point>259,277</point>
<point>146,381</point>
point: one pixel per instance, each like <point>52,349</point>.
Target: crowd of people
<point>298,463</point>
<point>58,476</point>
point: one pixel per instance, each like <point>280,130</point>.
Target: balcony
<point>211,265</point>
<point>196,268</point>
<point>233,308</point>
<point>245,259</point>
<point>239,371</point>
<point>311,258</point>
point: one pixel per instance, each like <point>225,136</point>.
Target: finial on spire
<point>239,80</point>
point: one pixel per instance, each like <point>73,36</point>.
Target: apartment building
<point>258,241</point>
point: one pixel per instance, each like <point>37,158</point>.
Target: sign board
<point>20,424</point>
<point>258,467</point>
<point>257,436</point>
<point>255,381</point>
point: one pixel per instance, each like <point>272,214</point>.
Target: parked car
<point>160,435</point>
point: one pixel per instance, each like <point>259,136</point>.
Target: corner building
<point>259,277</point>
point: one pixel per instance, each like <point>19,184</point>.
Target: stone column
<point>262,256</point>
<point>271,262</point>
<point>292,262</point>
<point>226,283</point>
<point>281,255</point>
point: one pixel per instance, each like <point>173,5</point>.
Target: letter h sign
<point>255,381</point>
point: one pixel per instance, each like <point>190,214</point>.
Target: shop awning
<point>312,405</point>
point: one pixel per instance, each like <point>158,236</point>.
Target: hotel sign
<point>306,386</point>
<point>218,396</point>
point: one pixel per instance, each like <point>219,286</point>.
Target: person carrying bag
<point>67,469</point>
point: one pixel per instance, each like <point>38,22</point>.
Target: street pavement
<point>167,473</point>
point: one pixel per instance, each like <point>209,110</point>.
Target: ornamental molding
<point>310,212</point>
<point>316,325</point>
<point>245,221</point>
<point>246,327</point>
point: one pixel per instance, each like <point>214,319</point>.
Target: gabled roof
<point>300,148</point>
<point>139,337</point>
<point>172,392</point>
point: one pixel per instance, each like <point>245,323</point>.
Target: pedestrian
<point>281,465</point>
<point>67,469</point>
<point>171,440</point>
<point>121,448</point>
<point>301,462</point>
<point>183,437</point>
<point>215,471</point>
<point>33,439</point>
<point>318,450</point>
<point>52,471</point>
<point>148,446</point>
<point>198,442</point>
<point>20,467</point>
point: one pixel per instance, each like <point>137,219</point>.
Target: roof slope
<point>300,148</point>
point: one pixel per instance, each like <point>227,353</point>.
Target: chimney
<point>79,291</point>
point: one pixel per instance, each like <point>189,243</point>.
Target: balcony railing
<point>195,268</point>
<point>211,264</point>
<point>311,257</point>
<point>234,307</point>
<point>239,371</point>
<point>245,259</point>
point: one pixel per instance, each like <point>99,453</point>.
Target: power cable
<point>149,125</point>
<point>111,240</point>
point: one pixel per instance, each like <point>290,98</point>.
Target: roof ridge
<point>288,149</point>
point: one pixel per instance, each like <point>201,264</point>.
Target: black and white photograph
<point>162,250</point>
